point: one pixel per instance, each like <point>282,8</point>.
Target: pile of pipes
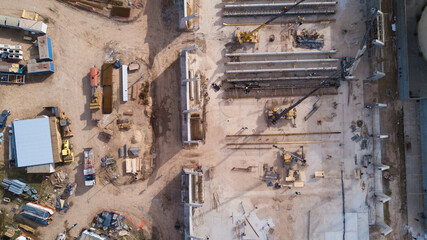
<point>308,39</point>
<point>18,187</point>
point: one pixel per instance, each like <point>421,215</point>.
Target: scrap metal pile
<point>308,39</point>
<point>114,222</point>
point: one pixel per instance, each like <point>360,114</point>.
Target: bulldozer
<point>67,152</point>
<point>65,124</point>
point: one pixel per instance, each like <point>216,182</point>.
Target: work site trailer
<point>89,167</point>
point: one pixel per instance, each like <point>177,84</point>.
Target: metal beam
<point>279,53</point>
<point>279,79</point>
<point>282,70</point>
<point>284,61</point>
<point>281,5</point>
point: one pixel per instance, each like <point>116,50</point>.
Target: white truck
<point>89,167</point>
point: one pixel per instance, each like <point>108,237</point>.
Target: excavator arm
<point>276,117</point>
<point>249,37</point>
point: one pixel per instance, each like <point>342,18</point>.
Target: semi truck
<point>89,167</point>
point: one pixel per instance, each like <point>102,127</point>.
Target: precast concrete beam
<point>375,76</point>
<point>380,105</point>
<point>381,197</point>
<point>382,167</point>
<point>283,61</point>
<point>190,111</point>
<point>379,136</point>
<point>282,70</point>
<point>378,43</point>
<point>196,205</point>
<point>279,53</point>
<point>191,142</point>
<point>281,5</point>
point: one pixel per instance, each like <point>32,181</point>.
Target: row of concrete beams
<point>283,61</point>
<point>185,100</point>
<point>282,70</point>
<point>279,79</point>
<point>281,5</point>
<point>259,54</point>
<point>188,207</point>
<point>253,13</point>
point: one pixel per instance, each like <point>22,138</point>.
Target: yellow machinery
<point>95,103</point>
<point>124,124</point>
<point>253,36</point>
<point>67,152</point>
<point>65,124</point>
<point>276,113</point>
<point>289,157</point>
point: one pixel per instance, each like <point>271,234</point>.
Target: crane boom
<point>253,36</point>
<point>276,117</point>
<point>275,17</point>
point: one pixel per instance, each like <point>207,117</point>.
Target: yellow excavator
<point>253,36</point>
<point>67,152</point>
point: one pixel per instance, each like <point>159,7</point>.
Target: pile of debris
<point>61,201</point>
<point>19,187</point>
<point>361,134</point>
<point>59,178</point>
<point>308,39</point>
<point>112,221</point>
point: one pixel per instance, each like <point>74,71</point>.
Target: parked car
<point>3,118</point>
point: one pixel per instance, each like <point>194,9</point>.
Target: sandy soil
<point>80,41</point>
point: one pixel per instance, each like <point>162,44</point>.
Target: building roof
<point>40,67</point>
<point>34,26</point>
<point>45,48</point>
<point>32,142</point>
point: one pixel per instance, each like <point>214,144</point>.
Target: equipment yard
<point>190,119</point>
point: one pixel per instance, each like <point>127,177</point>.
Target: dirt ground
<point>82,39</point>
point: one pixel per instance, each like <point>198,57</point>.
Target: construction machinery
<point>276,113</point>
<point>289,157</point>
<point>253,36</point>
<point>124,124</point>
<point>65,124</point>
<point>95,102</point>
<point>67,152</point>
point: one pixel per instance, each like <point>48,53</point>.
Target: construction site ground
<point>82,39</point>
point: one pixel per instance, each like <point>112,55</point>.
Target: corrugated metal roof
<point>41,67</point>
<point>33,142</point>
<point>45,48</point>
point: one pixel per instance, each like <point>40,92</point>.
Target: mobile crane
<point>277,113</point>
<point>253,36</point>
